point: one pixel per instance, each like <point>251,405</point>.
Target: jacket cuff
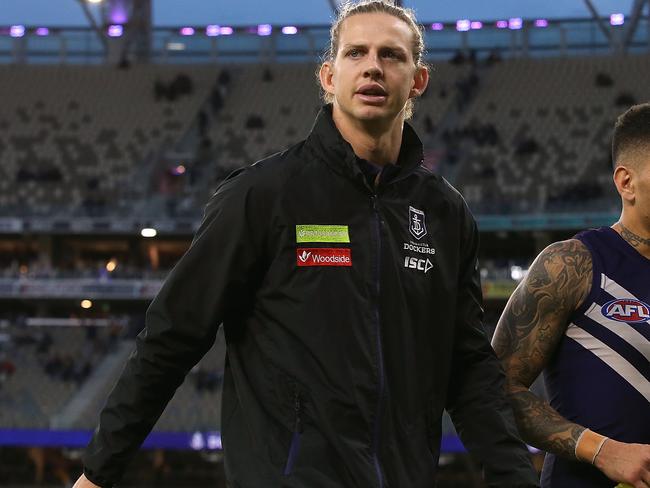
<point>96,479</point>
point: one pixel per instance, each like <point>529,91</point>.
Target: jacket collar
<point>328,145</point>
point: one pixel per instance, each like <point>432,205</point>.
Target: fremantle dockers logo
<point>417,224</point>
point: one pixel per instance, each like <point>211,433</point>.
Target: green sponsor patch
<point>322,233</point>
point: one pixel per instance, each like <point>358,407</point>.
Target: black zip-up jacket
<point>344,344</point>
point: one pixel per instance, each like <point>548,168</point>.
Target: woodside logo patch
<point>322,256</point>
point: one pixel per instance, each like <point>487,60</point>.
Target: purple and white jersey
<point>600,374</point>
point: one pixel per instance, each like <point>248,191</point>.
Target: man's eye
<point>354,53</point>
<point>390,54</point>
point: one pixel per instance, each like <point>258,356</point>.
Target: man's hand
<point>627,463</point>
<point>84,482</point>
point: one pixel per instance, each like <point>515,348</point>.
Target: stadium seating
<point>32,397</point>
<point>554,119</point>
<point>80,137</point>
<point>283,113</point>
<point>38,388</point>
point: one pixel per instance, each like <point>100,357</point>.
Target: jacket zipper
<point>380,354</point>
<point>297,430</point>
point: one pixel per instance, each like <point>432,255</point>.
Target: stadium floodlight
<point>148,232</point>
<point>517,273</point>
<point>42,31</point>
<point>94,1</point>
<point>197,442</point>
<point>289,30</point>
<point>212,30</point>
<point>214,441</point>
<point>502,24</point>
<point>463,25</point>
<point>264,30</point>
<point>111,265</point>
<point>17,30</point>
<point>541,23</point>
<point>475,25</point>
<point>226,31</point>
<point>617,19</point>
<point>437,26</point>
<point>515,23</point>
<point>86,304</point>
<point>115,30</point>
<point>186,31</point>
<point>178,170</point>
<point>175,46</point>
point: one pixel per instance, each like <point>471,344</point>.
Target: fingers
<point>641,479</point>
<point>645,483</point>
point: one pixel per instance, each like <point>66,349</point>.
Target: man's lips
<point>374,89</point>
<point>372,93</point>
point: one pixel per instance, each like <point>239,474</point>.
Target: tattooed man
<point>582,316</point>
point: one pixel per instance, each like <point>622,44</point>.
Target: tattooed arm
<point>532,324</point>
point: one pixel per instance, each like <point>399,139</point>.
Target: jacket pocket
<point>294,448</point>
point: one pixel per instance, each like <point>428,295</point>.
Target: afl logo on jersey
<point>626,310</point>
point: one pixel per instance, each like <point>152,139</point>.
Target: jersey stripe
<point>614,289</point>
<point>613,359</point>
<point>622,329</point>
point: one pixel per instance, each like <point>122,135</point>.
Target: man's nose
<point>373,67</point>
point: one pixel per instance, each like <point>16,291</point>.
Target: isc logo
<point>626,310</point>
<point>417,263</point>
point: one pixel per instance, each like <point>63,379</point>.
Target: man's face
<point>373,73</point>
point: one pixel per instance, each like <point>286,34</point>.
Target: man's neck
<point>378,143</point>
<point>634,233</point>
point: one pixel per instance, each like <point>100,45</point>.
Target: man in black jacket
<point>345,275</point>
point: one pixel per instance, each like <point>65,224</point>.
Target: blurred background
<point>119,118</point>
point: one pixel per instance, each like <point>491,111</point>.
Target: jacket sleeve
<point>213,279</point>
<point>476,396</point>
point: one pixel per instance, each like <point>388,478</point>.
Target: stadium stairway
<point>95,387</point>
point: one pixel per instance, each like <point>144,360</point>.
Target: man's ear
<point>420,82</point>
<point>326,75</point>
<point>624,181</point>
